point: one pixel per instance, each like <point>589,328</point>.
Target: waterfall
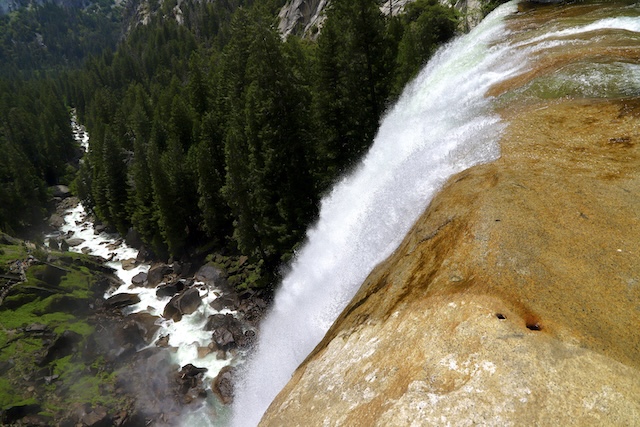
<point>442,124</point>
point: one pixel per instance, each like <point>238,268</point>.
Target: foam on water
<point>187,335</point>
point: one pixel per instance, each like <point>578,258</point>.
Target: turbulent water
<point>444,122</point>
<point>187,335</point>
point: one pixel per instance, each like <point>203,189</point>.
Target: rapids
<point>185,336</point>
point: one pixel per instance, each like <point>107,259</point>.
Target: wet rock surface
<point>183,303</point>
<point>222,385</point>
<point>121,300</point>
<point>514,298</point>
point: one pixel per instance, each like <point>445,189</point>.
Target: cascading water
<point>186,336</point>
<point>441,125</point>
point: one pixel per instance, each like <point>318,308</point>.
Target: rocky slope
<point>515,298</point>
<point>69,357</point>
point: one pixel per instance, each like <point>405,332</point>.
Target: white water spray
<point>442,125</point>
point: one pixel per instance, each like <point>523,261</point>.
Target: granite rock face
<point>302,17</point>
<point>305,17</point>
<point>514,300</point>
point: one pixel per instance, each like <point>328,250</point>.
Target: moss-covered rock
<point>46,325</point>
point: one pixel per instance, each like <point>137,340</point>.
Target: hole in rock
<point>534,326</point>
<point>500,316</point>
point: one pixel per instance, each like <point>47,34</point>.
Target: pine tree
<point>110,184</point>
<point>209,155</point>
<point>354,66</point>
<point>427,25</point>
<point>268,186</point>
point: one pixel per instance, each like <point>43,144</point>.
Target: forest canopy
<point>209,133</point>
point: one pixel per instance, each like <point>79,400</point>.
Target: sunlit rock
<point>513,300</point>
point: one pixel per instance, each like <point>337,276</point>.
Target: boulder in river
<point>169,289</point>
<point>121,300</point>
<point>186,302</point>
<point>227,331</point>
<point>139,279</point>
<point>222,385</point>
<point>56,221</point>
<point>229,301</point>
<point>189,381</point>
<point>128,264</point>
<point>211,275</point>
<point>74,241</point>
<point>156,274</point>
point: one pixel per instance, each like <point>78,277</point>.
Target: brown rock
<point>203,352</point>
<point>146,323</point>
<point>211,275</point>
<point>139,279</point>
<point>56,221</point>
<point>186,302</point>
<point>128,264</point>
<point>189,381</point>
<point>75,241</point>
<point>513,300</point>
<point>163,341</point>
<point>121,300</point>
<point>156,274</point>
<point>169,289</point>
<point>222,385</point>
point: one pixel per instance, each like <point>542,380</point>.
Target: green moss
<point>9,398</point>
<point>57,296</point>
<point>7,393</point>
<point>63,367</point>
<point>11,253</point>
<point>78,327</point>
<point>86,384</point>
<point>33,312</point>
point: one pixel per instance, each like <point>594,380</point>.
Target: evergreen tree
<point>268,186</point>
<point>209,154</point>
<point>354,68</point>
<point>141,198</point>
<point>427,24</point>
<point>110,184</point>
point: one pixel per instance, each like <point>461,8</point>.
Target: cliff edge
<point>514,300</point>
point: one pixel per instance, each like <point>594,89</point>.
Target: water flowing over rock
<point>514,298</point>
<point>186,302</point>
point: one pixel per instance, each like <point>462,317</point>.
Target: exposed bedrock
<point>514,300</point>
